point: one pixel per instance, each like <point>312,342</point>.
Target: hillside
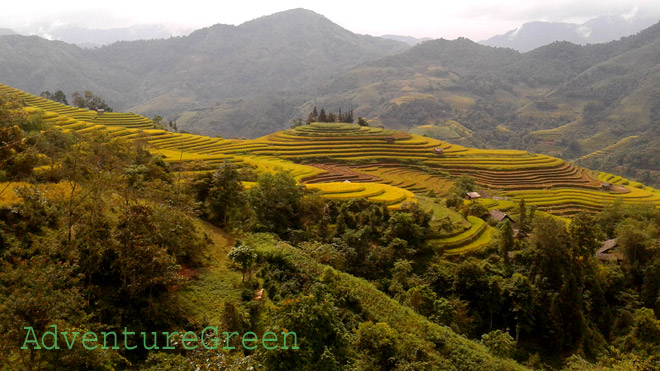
<point>584,97</point>
<point>213,285</point>
<point>247,81</point>
<point>358,240</point>
<point>284,51</point>
<point>327,153</point>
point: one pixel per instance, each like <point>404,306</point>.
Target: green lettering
<point>168,335</point>
<point>93,338</point>
<point>105,338</point>
<point>126,333</point>
<point>66,339</point>
<point>144,341</point>
<point>54,335</point>
<point>214,340</point>
<point>227,347</point>
<point>30,330</point>
<point>253,338</point>
<point>264,340</point>
<point>295,340</point>
<point>185,339</point>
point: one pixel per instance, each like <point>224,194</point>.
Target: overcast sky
<point>475,19</point>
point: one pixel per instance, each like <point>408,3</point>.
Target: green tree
<point>146,268</point>
<point>584,235</point>
<point>222,196</point>
<point>507,243</point>
<point>377,342</point>
<point>275,201</point>
<point>90,101</point>
<point>322,116</point>
<point>323,340</point>
<point>501,344</point>
<point>245,256</point>
<point>313,116</point>
<point>59,96</point>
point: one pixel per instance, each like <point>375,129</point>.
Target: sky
<point>475,19</point>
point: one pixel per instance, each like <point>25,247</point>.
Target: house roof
<point>605,253</point>
<point>473,194</point>
<point>606,246</point>
<point>498,215</point>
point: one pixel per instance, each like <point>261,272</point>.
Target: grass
<point>203,297</point>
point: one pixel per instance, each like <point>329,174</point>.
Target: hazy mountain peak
<point>532,35</point>
<point>296,16</point>
<point>410,40</point>
<point>6,31</point>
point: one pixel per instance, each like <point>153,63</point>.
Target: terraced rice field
<point>393,197</point>
<point>568,201</point>
<point>609,148</point>
<point>477,235</point>
<point>381,165</point>
<point>411,179</point>
<point>341,173</point>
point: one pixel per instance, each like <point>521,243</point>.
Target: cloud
<point>631,14</point>
<point>476,19</point>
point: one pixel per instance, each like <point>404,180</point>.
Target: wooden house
<point>472,196</point>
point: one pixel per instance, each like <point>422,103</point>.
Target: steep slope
<point>561,99</point>
<point>35,65</point>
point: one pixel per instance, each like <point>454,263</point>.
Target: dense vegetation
<point>107,235</point>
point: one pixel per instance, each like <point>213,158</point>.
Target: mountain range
<point>532,35</point>
<point>596,103</point>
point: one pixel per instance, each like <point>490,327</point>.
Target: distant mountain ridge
<point>598,30</point>
<point>99,37</point>
<point>412,41</point>
<point>285,51</point>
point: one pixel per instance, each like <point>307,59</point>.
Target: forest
<point>108,236</point>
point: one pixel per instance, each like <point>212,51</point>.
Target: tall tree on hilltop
<point>313,116</point>
<point>90,101</point>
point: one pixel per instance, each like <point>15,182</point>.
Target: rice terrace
<point>384,166</point>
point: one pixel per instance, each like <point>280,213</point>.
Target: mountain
<point>561,99</point>
<point>6,31</point>
<point>581,102</point>
<point>412,41</point>
<point>98,37</point>
<point>598,30</point>
<point>37,64</point>
<point>291,50</point>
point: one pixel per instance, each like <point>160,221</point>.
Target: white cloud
<point>476,19</point>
